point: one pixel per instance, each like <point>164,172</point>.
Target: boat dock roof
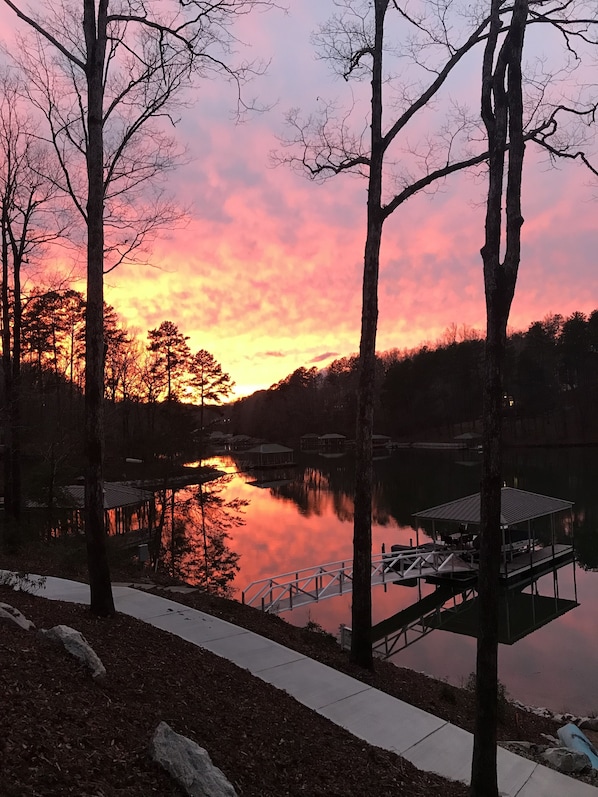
<point>517,506</point>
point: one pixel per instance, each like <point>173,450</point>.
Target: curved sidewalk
<point>432,744</point>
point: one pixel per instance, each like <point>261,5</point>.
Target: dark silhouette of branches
<point>409,59</point>
<point>104,75</point>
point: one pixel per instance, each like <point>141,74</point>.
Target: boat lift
<point>453,607</point>
<point>313,584</point>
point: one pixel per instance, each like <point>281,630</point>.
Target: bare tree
<point>502,113</point>
<point>104,73</point>
<point>502,109</point>
<point>423,44</point>
<point>29,220</point>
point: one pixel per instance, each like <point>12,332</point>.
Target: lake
<point>307,519</point>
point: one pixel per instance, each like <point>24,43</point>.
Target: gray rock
<point>189,764</point>
<point>552,740</point>
<point>523,746</point>
<point>78,646</point>
<point>542,711</point>
<point>527,749</point>
<point>8,612</point>
<point>589,724</point>
<point>569,762</point>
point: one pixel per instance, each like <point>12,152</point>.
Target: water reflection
<point>454,606</point>
<point>307,520</point>
<point>193,532</point>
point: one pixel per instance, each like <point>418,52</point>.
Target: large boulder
<point>189,764</point>
<point>570,762</point>
<point>8,612</point>
<point>78,646</point>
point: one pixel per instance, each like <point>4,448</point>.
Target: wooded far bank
<point>435,392</point>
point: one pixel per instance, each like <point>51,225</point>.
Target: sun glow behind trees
<point>264,270</point>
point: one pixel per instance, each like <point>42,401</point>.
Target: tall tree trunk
<point>10,528</point>
<point>484,780</point>
<point>99,573</point>
<point>502,113</point>
<point>17,392</point>
<point>361,618</point>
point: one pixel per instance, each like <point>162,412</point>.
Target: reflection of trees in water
<point>584,530</point>
<point>316,488</point>
<point>323,484</point>
<point>194,533</point>
<point>570,473</point>
<point>411,480</point>
<point>309,490</point>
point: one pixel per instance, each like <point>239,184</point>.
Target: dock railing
<point>311,584</point>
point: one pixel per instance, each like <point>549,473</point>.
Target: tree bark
<point>17,393</point>
<point>11,364</point>
<point>361,618</point>
<point>102,602</point>
<point>502,113</point>
<point>10,530</point>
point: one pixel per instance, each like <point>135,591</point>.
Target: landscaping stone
<point>78,646</point>
<point>567,761</point>
<point>8,612</point>
<point>189,764</point>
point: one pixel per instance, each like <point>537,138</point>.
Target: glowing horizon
<point>265,273</point>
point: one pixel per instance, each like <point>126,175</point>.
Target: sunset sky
<point>266,272</point>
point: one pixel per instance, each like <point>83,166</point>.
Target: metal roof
<point>468,436</point>
<point>115,494</point>
<point>270,448</point>
<point>517,506</point>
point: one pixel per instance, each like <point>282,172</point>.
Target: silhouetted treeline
<point>551,389</point>
<point>158,394</point>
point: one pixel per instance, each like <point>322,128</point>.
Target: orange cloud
<point>266,273</point>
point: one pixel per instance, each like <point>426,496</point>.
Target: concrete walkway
<point>432,744</point>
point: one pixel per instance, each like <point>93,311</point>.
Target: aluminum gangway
<point>312,584</point>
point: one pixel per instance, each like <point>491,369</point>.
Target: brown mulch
<point>66,734</point>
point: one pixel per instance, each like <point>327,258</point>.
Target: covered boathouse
<point>127,509</point>
<point>456,524</point>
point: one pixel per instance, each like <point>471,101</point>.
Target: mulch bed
<point>65,734</point>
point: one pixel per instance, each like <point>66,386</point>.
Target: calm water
<point>307,520</point>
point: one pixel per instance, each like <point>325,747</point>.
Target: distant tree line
<point>551,388</point>
<point>53,349</point>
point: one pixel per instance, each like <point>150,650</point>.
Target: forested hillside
<point>434,392</point>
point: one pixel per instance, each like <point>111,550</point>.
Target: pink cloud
<point>270,262</point>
